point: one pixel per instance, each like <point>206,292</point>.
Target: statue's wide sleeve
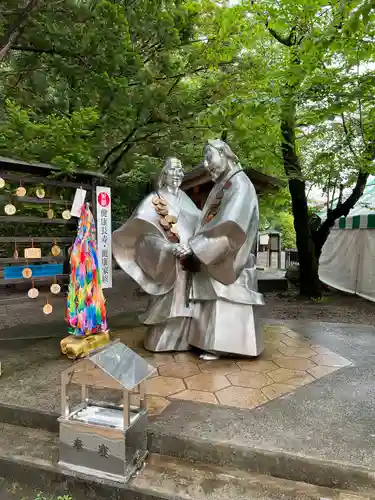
<point>225,244</point>
<point>153,255</point>
<point>142,251</point>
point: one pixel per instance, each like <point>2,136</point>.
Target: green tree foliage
<point>119,85</point>
<point>141,72</point>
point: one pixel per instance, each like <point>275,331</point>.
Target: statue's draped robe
<point>143,251</point>
<point>225,290</point>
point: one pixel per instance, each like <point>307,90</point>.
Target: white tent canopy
<point>347,262</point>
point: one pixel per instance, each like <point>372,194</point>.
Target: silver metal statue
<point>224,291</point>
<point>144,248</point>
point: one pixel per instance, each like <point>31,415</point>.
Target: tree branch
<point>119,145</point>
<point>37,50</point>
<point>129,145</point>
<point>185,74</point>
<point>14,31</point>
<point>51,51</point>
<point>347,136</point>
<point>288,41</point>
<point>341,210</point>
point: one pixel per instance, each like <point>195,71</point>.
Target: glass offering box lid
<point>105,417</point>
<point>114,366</point>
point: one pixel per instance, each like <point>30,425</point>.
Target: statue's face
<point>174,173</point>
<point>214,162</point>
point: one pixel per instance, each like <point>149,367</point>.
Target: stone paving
<point>288,362</point>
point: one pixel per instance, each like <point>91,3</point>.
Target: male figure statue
<point>224,289</point>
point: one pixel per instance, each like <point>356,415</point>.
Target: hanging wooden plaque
<point>33,253</point>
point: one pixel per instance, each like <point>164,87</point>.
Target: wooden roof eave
<point>199,176</point>
<point>25,167</point>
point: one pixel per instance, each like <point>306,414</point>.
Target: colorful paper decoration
<point>86,311</point>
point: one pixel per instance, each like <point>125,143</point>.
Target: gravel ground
<point>17,309</point>
<point>335,307</point>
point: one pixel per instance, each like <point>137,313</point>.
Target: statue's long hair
<point>223,148</point>
<point>160,183</point>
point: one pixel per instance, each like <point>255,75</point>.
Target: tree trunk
<point>15,30</point>
<point>341,210</point>
<point>309,279</point>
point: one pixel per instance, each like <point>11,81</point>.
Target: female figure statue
<point>144,248</point>
<point>225,289</point>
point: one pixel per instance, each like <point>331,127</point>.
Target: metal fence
<point>291,257</point>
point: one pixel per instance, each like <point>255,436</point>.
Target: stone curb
<point>282,465</point>
<point>26,417</point>
<point>42,476</point>
<point>273,463</point>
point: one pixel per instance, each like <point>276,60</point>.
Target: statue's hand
<point>190,263</point>
<point>181,251</point>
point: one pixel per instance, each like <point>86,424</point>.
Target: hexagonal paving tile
<point>134,399</point>
<point>293,335</point>
<point>156,374</point>
<point>321,371</point>
<point>289,361</point>
<point>257,365</point>
<point>141,351</point>
<point>210,382</point>
<point>253,380</point>
<point>126,336</point>
<point>299,352</point>
<point>164,386</point>
<point>330,360</point>
<point>321,350</point>
<point>275,390</point>
<point>197,396</point>
<point>181,357</point>
<point>275,338</point>
<point>140,330</point>
<point>293,363</point>
<point>179,370</point>
<point>274,343</point>
<point>284,374</point>
<point>297,342</point>
<point>157,359</point>
<point>275,329</point>
<point>241,397</point>
<point>301,380</point>
<point>156,404</point>
<point>270,352</point>
<point>219,367</point>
